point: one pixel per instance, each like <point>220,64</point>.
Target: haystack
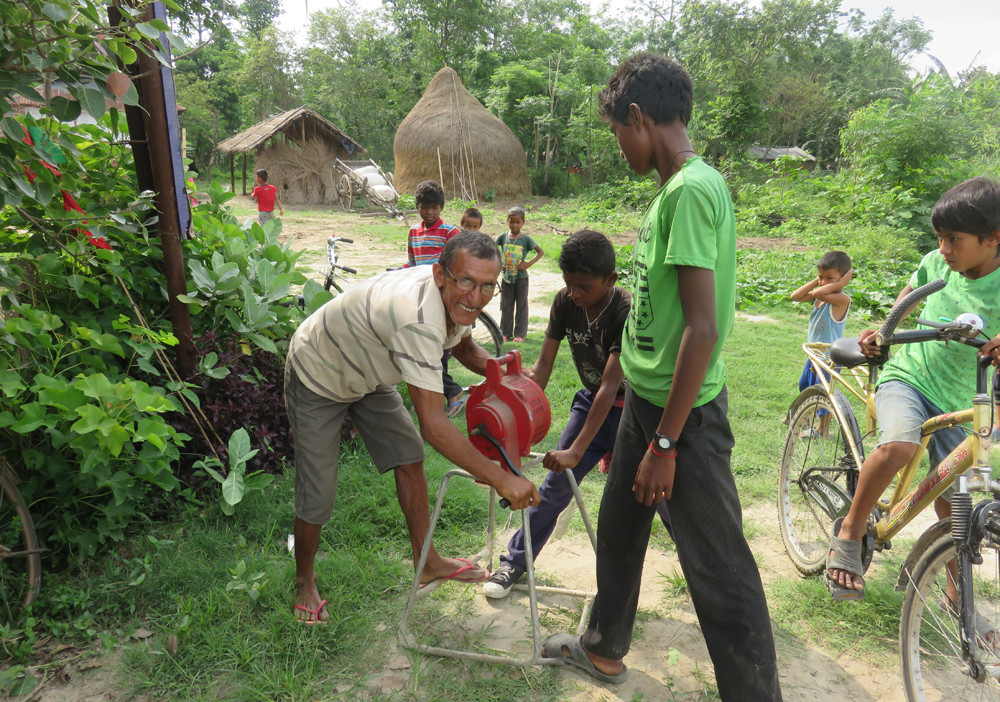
<point>450,137</point>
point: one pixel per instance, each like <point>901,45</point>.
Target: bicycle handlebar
<point>341,239</point>
<point>344,268</point>
<point>901,308</point>
<point>913,336</point>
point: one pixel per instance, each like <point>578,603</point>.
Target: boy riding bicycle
<point>924,380</point>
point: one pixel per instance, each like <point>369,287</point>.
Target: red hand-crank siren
<point>511,407</point>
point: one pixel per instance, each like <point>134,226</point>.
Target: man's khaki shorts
<point>385,426</point>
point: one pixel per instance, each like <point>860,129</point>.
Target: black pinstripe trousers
<point>719,567</point>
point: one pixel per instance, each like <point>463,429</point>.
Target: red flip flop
<point>469,565</point>
<point>314,612</point>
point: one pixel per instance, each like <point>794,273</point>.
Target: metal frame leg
<point>406,637</point>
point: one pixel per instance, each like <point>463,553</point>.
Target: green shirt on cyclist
<point>925,379</point>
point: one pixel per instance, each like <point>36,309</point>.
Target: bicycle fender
<point>931,534</point>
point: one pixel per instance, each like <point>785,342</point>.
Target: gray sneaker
<point>502,580</point>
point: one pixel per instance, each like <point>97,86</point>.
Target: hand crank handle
<point>482,431</point>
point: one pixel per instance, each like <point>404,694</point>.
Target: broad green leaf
<point>148,30</point>
<point>65,110</point>
<point>95,385</point>
<point>264,342</point>
<point>258,481</point>
<point>233,488</point>
<point>32,416</point>
<point>55,12</point>
<point>115,439</point>
<point>120,482</point>
<point>92,100</point>
<point>216,475</point>
<point>239,446</point>
<point>90,419</point>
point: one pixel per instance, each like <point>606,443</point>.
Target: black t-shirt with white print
<point>590,342</point>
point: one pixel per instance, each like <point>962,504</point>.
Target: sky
<point>964,30</point>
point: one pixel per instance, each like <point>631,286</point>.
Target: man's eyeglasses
<point>468,284</point>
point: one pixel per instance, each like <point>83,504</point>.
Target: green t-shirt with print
<point>689,222</point>
<point>946,373</point>
<point>512,252</point>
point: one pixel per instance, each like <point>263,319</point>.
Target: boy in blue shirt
<point>828,316</point>
<point>674,440</point>
<point>924,380</point>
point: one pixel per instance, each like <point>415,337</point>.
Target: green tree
<point>258,15</point>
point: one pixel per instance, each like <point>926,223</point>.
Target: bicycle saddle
<point>846,352</point>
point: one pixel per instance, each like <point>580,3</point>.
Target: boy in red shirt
<point>266,197</point>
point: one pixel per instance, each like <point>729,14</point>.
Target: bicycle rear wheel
<point>817,478</point>
<point>929,642</point>
<point>20,557</point>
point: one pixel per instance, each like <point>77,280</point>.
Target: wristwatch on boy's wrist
<point>664,442</point>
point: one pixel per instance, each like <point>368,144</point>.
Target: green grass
<point>176,578</point>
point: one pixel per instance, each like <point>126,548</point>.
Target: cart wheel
<point>345,191</point>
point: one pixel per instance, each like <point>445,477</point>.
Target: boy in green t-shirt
<point>928,379</point>
<point>514,248</point>
<point>674,440</point>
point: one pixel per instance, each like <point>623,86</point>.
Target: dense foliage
<point>88,398</point>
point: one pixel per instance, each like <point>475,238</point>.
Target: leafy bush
<point>238,390</point>
<point>84,397</point>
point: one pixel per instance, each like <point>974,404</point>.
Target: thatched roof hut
<point>450,137</point>
<point>297,148</point>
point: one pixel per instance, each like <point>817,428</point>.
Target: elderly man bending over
<point>347,358</point>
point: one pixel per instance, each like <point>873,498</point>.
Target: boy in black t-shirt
<point>590,312</point>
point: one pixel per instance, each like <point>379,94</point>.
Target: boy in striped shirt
<point>425,242</point>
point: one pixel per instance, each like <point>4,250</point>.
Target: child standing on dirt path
<point>266,197</point>
<point>423,248</point>
<point>514,248</point>
<point>829,314</point>
<point>674,441</point>
<point>590,313</point>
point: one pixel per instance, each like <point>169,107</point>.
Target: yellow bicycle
<point>949,651</point>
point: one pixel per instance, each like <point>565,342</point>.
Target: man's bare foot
<point>453,569</point>
<point>308,607</point>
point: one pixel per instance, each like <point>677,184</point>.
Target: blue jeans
<point>556,491</point>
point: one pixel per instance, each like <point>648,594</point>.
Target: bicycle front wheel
<point>487,334</point>
<point>818,476</point>
<point>929,643</point>
<point>20,559</point>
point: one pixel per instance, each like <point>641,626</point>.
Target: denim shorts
<point>902,411</point>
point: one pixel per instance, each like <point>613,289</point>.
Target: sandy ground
<point>668,660</point>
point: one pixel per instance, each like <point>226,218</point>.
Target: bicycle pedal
<point>840,593</point>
